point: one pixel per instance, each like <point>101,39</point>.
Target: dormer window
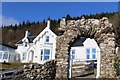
<point>47,39</point>
<point>25,44</point>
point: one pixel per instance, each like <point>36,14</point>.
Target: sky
<point>16,12</point>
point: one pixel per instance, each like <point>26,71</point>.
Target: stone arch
<point>104,35</point>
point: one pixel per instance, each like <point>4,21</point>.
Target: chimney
<point>27,33</point>
<point>63,18</point>
<point>48,24</point>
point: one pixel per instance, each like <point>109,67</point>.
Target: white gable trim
<point>42,33</point>
<point>31,48</point>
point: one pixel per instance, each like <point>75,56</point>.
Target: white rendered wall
<point>38,44</point>
<point>20,50</point>
<point>11,59</point>
<point>91,43</point>
<point>41,44</point>
<point>80,51</point>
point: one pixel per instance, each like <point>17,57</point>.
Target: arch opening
<point>103,34</point>
<point>30,56</point>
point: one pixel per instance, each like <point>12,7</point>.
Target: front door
<point>31,55</point>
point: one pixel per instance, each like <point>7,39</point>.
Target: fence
<point>83,67</point>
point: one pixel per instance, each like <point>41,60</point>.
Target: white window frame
<point>87,53</point>
<point>47,37</point>
<point>4,54</point>
<point>74,53</point>
<point>41,54</point>
<point>24,56</point>
<point>1,52</point>
<point>9,56</point>
<point>94,53</point>
<point>49,54</point>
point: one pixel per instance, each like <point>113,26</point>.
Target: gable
<point>90,43</point>
<point>79,42</point>
<point>31,38</point>
<point>46,30</point>
<point>87,42</point>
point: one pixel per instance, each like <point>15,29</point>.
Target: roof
<point>31,38</point>
<point>34,38</point>
<point>79,42</point>
<point>5,47</point>
<point>42,33</point>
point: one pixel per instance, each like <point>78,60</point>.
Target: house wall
<point>91,43</point>
<point>11,56</point>
<point>1,59</point>
<point>21,49</point>
<point>41,44</point>
<point>30,54</point>
<point>37,45</point>
<point>80,51</point>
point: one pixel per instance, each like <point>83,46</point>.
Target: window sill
<point>48,43</point>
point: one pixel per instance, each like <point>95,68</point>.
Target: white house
<point>85,49</point>
<point>7,54</point>
<point>41,48</point>
<point>37,49</point>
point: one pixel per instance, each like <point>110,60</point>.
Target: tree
<point>68,17</point>
<point>43,21</point>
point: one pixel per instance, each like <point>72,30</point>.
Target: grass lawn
<point>15,65</point>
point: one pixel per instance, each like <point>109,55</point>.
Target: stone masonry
<point>101,30</point>
<point>45,71</point>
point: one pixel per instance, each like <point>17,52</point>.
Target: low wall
<point>37,72</point>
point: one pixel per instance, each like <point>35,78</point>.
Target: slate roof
<point>31,38</point>
<point>4,47</point>
<point>79,42</point>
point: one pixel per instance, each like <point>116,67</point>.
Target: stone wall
<point>101,30</point>
<point>46,71</point>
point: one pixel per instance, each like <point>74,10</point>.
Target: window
<point>88,53</point>
<point>24,56</point>
<point>47,38</point>
<point>46,54</point>
<point>94,53</point>
<point>25,44</point>
<point>15,57</point>
<point>41,54</point>
<point>9,56</point>
<point>5,56</point>
<point>73,54</point>
<point>1,55</point>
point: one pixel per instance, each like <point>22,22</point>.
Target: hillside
<point>11,34</point>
